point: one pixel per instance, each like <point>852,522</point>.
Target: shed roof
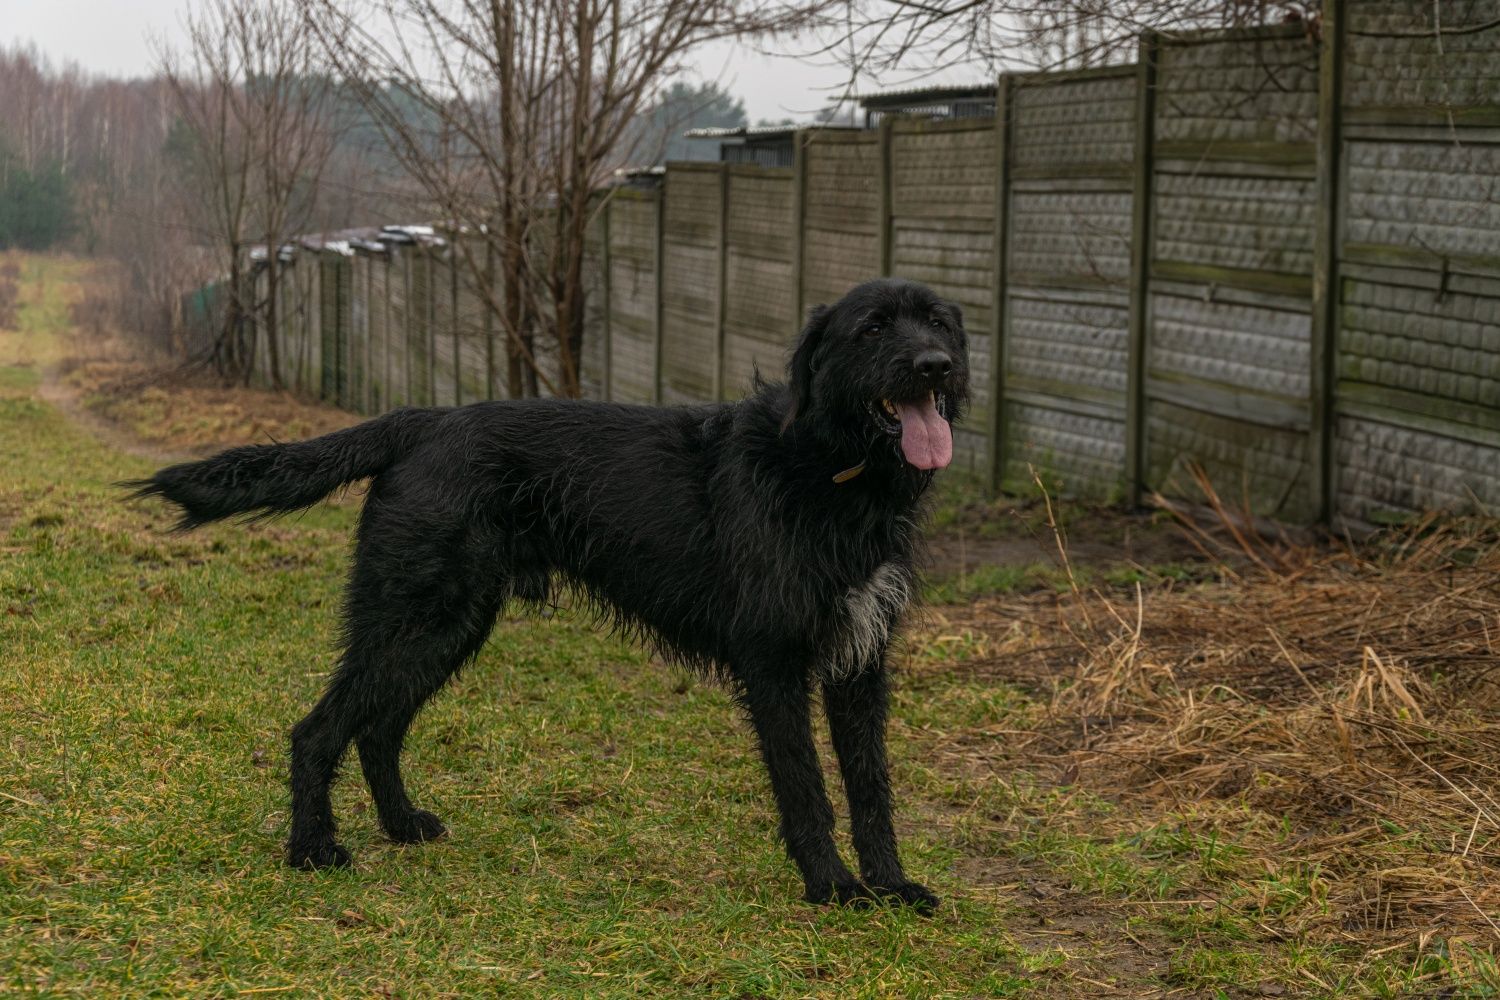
<point>757,133</point>
<point>925,95</point>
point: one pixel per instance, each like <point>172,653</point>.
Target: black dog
<point>769,541</point>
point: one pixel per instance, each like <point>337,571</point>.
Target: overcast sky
<point>113,37</point>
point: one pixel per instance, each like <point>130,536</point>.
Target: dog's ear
<point>800,369</point>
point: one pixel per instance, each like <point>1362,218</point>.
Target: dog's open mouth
<point>925,435</point>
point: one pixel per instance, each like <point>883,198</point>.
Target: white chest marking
<point>872,611</point>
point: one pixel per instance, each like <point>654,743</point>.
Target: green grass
<point>1014,578</point>
<point>612,832</point>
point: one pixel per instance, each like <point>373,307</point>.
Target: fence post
<point>1140,266</point>
<point>1325,283</point>
<point>455,321</point>
<point>387,390</point>
<point>343,268</point>
<point>312,375</point>
<point>431,308</point>
<point>299,317</point>
<point>606,329</point>
<point>408,396</point>
<point>884,199</point>
<point>369,393</point>
<point>720,335</point>
<point>416,328</point>
<point>1003,139</point>
<point>328,350</point>
<point>661,229</point>
<point>488,300</point>
<point>799,216</point>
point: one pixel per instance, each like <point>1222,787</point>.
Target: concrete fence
<point>1274,255</point>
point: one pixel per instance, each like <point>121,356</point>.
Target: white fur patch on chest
<point>871,614</point>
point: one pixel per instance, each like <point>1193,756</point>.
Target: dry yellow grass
<point>1333,713</point>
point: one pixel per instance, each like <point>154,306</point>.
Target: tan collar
<point>848,474</point>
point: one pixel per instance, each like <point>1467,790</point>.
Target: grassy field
<point>612,832</point>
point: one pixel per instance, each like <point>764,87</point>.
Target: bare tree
<point>139,214</point>
<point>293,108</point>
<point>935,35</point>
<point>511,116</point>
<point>261,125</point>
<point>215,155</point>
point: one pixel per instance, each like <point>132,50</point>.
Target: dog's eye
<point>870,329</point>
<point>935,323</point>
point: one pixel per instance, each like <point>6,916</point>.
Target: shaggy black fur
<point>717,532</point>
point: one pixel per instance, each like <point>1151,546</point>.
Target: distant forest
<point>82,157</point>
<point>114,168</point>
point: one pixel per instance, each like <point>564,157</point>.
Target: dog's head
<point>890,361</point>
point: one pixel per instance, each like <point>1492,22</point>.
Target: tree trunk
<point>513,294</point>
<point>570,293</point>
<point>226,349</point>
<point>273,327</point>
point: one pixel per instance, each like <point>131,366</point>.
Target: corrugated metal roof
<point>926,95</point>
<point>347,242</point>
<point>756,131</point>
<point>420,234</point>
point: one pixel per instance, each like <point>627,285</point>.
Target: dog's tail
<point>269,479</point>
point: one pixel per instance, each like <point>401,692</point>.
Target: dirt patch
<point>1049,916</point>
<point>170,414</point>
<point>971,533</point>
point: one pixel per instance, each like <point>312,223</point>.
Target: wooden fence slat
<point>799,227</point>
<point>722,278</point>
<point>1003,138</point>
<point>1140,268</point>
<point>1325,287</point>
<point>661,235</point>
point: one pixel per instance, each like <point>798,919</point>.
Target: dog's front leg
<point>779,710</point>
<point>856,708</point>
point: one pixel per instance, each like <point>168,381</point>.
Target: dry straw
<point>1330,707</point>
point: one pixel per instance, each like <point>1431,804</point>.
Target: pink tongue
<point>926,438</point>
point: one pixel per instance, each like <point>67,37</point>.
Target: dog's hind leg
<point>423,595</point>
<point>779,708</point>
<point>380,759</point>
<point>318,744</point>
<point>428,664</point>
<point>399,656</point>
<point>856,707</point>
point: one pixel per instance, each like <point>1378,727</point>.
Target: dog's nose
<point>933,365</point>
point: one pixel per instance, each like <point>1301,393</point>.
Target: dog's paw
<point>913,894</point>
<point>322,854</point>
<point>859,895</point>
<point>842,893</point>
<point>415,827</point>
